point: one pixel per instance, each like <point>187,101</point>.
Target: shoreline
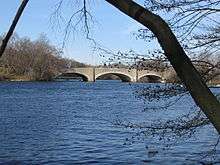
<point>54,80</point>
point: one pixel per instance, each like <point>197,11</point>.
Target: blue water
<point>73,123</point>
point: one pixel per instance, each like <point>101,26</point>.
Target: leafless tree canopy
<point>195,22</point>
<point>33,60</point>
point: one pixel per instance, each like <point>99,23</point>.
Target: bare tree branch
<point>12,27</point>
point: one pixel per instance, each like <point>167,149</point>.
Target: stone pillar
<point>90,72</point>
<point>133,74</point>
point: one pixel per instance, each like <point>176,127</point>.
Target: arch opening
<point>150,79</point>
<point>114,76</point>
<point>72,76</point>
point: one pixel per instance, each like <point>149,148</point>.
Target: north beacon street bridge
<point>126,75</point>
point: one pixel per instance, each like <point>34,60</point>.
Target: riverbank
<point>11,77</point>
<point>5,75</point>
<point>214,86</point>
<point>22,78</point>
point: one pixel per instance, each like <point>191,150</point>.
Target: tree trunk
<point>177,57</point>
<point>12,27</point>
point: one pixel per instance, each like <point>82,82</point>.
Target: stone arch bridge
<point>126,75</point>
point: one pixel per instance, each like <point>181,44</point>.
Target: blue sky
<point>112,28</point>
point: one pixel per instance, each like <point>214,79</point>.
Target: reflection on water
<point>71,123</point>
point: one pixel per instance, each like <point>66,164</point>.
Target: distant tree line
<point>36,60</point>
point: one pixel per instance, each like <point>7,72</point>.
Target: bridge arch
<point>151,78</point>
<point>84,77</point>
<point>123,76</point>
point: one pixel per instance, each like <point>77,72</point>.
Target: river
<point>69,122</point>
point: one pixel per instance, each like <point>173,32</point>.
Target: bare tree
<point>177,57</point>
<point>32,60</point>
<point>195,22</point>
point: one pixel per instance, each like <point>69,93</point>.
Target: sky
<point>112,29</point>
